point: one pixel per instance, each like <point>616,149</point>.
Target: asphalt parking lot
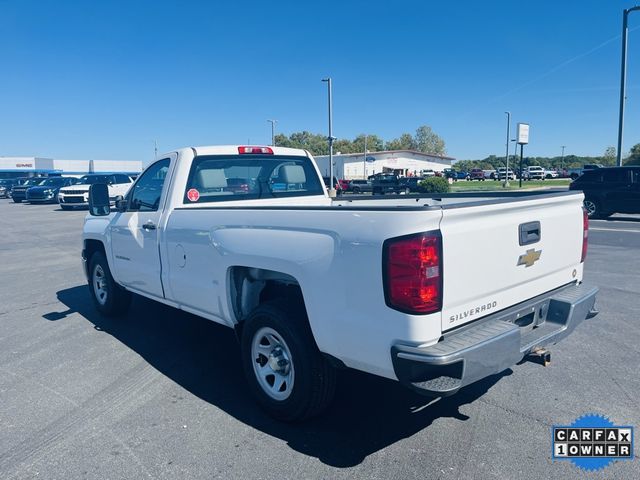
<point>160,393</point>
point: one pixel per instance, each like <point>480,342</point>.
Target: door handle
<point>149,225</point>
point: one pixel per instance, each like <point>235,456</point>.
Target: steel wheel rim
<point>100,285</point>
<point>590,207</point>
<point>272,364</point>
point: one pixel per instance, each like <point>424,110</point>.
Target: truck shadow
<point>369,413</point>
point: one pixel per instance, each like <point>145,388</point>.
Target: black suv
<point>609,190</point>
<point>382,183</point>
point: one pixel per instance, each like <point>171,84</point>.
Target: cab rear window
<point>223,178</point>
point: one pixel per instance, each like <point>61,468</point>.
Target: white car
<point>427,173</point>
<point>551,174</point>
<point>78,195</point>
<point>263,255</point>
<point>535,173</point>
<point>501,174</point>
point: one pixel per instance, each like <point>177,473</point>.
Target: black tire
<point>356,190</point>
<point>65,207</point>
<point>110,299</point>
<point>593,208</point>
<point>313,379</point>
<point>17,200</point>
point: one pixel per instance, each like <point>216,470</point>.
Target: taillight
<point>585,234</point>
<point>258,150</point>
<point>412,268</point>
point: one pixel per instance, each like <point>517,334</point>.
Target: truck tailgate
<point>497,255</point>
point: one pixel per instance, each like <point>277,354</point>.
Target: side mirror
<point>121,204</point>
<point>99,200</point>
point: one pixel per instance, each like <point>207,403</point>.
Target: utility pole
<point>273,131</point>
<point>330,138</point>
<point>623,80</point>
<point>562,158</point>
<point>506,177</point>
<point>155,149</point>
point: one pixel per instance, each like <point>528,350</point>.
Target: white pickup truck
<point>433,291</point>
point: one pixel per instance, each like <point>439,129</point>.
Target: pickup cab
<point>265,261</point>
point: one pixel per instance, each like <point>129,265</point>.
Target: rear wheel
<point>285,371</point>
<point>109,298</point>
<point>356,189</point>
<point>17,200</point>
<point>593,208</point>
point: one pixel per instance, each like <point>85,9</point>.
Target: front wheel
<point>109,298</point>
<point>286,372</point>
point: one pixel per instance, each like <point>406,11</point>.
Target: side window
<point>145,196</point>
<point>121,178</point>
<point>616,175</point>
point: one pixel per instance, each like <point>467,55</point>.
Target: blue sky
<point>105,79</point>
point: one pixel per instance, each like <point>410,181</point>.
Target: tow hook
<point>541,356</point>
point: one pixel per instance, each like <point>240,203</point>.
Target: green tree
<point>634,155</point>
<point>427,141</point>
<point>374,143</point>
<point>609,157</point>
<point>404,142</point>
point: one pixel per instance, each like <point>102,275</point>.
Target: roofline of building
<point>415,152</point>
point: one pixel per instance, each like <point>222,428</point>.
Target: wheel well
<point>251,287</point>
<point>91,247</point>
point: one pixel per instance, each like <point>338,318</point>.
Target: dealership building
<point>400,162</point>
<point>12,167</point>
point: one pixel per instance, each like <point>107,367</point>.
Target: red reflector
<point>585,234</point>
<point>258,150</point>
<point>413,273</point>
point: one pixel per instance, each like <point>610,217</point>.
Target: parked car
<point>274,269</point>
<point>501,174</point>
<point>5,186</point>
<point>19,190</point>
<point>78,195</point>
<point>336,184</point>
<point>410,184</point>
<point>609,190</point>
<point>462,175</point>
<point>427,172</point>
<point>238,185</point>
<point>344,184</point>
<point>360,186</point>
<point>534,172</point>
<point>476,174</point>
<point>450,173</point>
<point>47,190</point>
<point>489,174</point>
<point>551,174</point>
<point>382,183</point>
<point>591,166</point>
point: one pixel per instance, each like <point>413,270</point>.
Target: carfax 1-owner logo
<point>592,442</point>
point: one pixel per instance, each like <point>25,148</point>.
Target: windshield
<point>91,179</point>
<point>32,181</point>
<point>49,182</point>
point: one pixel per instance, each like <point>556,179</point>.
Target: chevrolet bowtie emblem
<point>529,258</point>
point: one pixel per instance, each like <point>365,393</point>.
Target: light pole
<point>155,149</point>
<point>562,158</point>
<point>330,138</point>
<point>623,80</point>
<point>506,178</point>
<point>364,160</point>
<point>273,131</point>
